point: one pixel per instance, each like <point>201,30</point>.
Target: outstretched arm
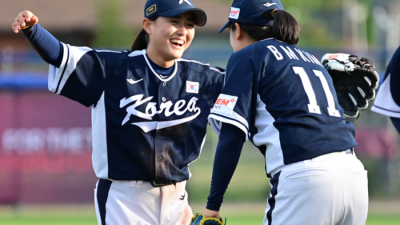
<point>227,156</point>
<point>45,44</point>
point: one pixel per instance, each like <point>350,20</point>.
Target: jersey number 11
<point>313,106</point>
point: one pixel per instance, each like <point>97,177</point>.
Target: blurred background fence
<point>45,140</point>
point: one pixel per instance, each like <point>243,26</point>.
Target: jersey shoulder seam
<point>203,64</point>
<point>109,51</point>
<point>135,53</point>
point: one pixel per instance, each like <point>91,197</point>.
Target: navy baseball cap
<point>250,11</point>
<point>171,8</point>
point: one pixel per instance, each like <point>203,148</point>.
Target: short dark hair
<point>142,40</point>
<point>285,28</point>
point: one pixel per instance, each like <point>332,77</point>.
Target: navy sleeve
<point>45,44</point>
<point>235,103</point>
<point>396,123</point>
<point>226,159</point>
<point>217,80</point>
<point>82,73</point>
<point>387,100</point>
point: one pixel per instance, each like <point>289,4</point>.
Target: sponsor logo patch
<point>192,87</point>
<point>234,13</point>
<point>151,9</point>
<point>225,103</point>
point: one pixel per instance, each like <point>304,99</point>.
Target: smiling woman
<point>149,110</point>
<point>166,32</point>
<point>169,37</point>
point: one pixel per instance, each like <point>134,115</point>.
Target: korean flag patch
<point>192,87</point>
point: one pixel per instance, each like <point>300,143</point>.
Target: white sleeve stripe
<point>215,124</point>
<point>386,112</point>
<point>227,120</point>
<point>230,118</point>
<point>384,102</point>
<point>54,73</point>
<point>386,109</point>
<point>75,54</point>
<point>233,116</point>
<point>58,89</point>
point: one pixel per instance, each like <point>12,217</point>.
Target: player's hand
<point>355,81</point>
<point>24,20</point>
<point>211,213</point>
<point>208,217</point>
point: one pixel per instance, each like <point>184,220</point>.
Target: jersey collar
<point>156,74</point>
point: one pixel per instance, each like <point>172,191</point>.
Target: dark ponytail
<point>142,40</point>
<point>285,28</point>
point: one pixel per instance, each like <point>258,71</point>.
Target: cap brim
<point>223,28</point>
<point>200,17</point>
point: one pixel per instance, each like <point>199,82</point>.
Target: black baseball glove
<point>355,81</point>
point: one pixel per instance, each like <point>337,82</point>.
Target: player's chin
<point>177,52</point>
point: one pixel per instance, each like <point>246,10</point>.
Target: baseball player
<point>283,99</point>
<point>388,99</point>
<point>149,111</point>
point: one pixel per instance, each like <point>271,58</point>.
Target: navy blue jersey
<point>284,101</point>
<point>145,126</point>
<point>387,101</point>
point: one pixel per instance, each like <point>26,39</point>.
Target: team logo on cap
<point>151,9</point>
<point>181,1</point>
<point>234,13</point>
<point>269,4</point>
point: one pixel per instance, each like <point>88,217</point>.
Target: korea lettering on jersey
<point>284,101</point>
<point>168,108</point>
<point>144,126</point>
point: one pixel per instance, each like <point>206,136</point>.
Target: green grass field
<point>237,214</point>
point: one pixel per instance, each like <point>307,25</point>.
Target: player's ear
<point>238,32</point>
<point>146,25</point>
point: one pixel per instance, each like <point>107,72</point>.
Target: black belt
<point>161,184</point>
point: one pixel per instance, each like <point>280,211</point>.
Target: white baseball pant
<point>331,189</point>
<point>139,203</point>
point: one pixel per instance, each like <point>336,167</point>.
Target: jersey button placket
<point>160,144</point>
